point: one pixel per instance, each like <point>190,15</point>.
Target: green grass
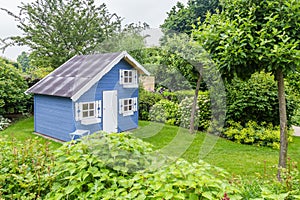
<point>238,159</point>
<point>22,130</point>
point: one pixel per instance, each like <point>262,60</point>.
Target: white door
<point>110,111</point>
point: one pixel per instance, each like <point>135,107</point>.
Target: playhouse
<point>88,93</point>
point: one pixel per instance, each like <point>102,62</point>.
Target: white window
<point>129,78</point>
<point>88,112</point>
<point>127,106</point>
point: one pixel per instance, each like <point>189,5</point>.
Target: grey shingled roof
<point>74,75</point>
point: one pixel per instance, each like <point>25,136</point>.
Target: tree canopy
<point>56,30</point>
<point>182,18</point>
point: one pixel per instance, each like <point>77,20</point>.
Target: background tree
<point>56,30</point>
<point>24,61</point>
<point>250,36</point>
<point>127,39</point>
<point>182,18</point>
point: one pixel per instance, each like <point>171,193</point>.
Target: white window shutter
<point>96,109</point>
<point>80,111</point>
<point>99,108</point>
<point>135,77</point>
<point>77,112</point>
<point>135,104</point>
<point>121,76</point>
<point>120,106</point>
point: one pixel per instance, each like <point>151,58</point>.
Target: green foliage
<point>203,114</point>
<point>24,61</point>
<point>273,189</point>
<point>12,88</point>
<point>99,167</point>
<point>261,135</point>
<point>181,18</point>
<point>146,101</point>
<point>255,99</point>
<point>164,111</point>
<point>25,171</point>
<point>56,30</point>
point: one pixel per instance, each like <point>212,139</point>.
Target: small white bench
<point>79,133</point>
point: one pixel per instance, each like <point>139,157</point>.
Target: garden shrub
<point>12,88</point>
<point>203,114</point>
<point>146,101</point>
<point>254,100</point>
<point>164,111</point>
<point>261,135</point>
<point>85,171</point>
<point>25,169</point>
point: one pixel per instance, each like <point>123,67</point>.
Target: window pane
<point>91,105</point>
<point>125,102</point>
<point>125,73</point>
<point>130,73</point>
<point>125,80</point>
<point>125,108</point>
<point>92,113</point>
<point>85,106</point>
<point>130,108</point>
<point>85,114</point>
<point>130,80</point>
<point>130,101</point>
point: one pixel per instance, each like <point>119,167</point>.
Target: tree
<point>24,61</point>
<point>128,39</point>
<point>250,36</point>
<point>182,18</point>
<point>56,30</point>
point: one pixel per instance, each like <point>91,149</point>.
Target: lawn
<point>22,130</point>
<point>239,160</point>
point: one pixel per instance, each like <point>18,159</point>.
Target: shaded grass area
<point>22,130</point>
<point>238,159</point>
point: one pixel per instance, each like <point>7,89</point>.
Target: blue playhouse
<point>86,94</point>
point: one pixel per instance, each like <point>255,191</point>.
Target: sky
<point>153,12</point>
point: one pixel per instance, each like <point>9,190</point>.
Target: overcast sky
<point>153,12</point>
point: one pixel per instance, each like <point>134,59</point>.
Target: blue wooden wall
<point>53,116</point>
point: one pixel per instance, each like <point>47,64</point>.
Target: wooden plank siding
<point>53,116</point>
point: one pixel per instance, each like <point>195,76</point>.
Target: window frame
<point>126,108</point>
<point>129,74</point>
<point>88,110</point>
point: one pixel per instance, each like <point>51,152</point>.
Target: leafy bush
<point>4,123</point>
<point>164,111</point>
<point>12,88</point>
<point>100,167</point>
<point>254,100</point>
<point>25,171</point>
<point>203,114</point>
<point>261,135</point>
<point>146,101</point>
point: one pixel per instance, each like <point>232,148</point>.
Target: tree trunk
<point>283,123</point>
<point>194,106</point>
